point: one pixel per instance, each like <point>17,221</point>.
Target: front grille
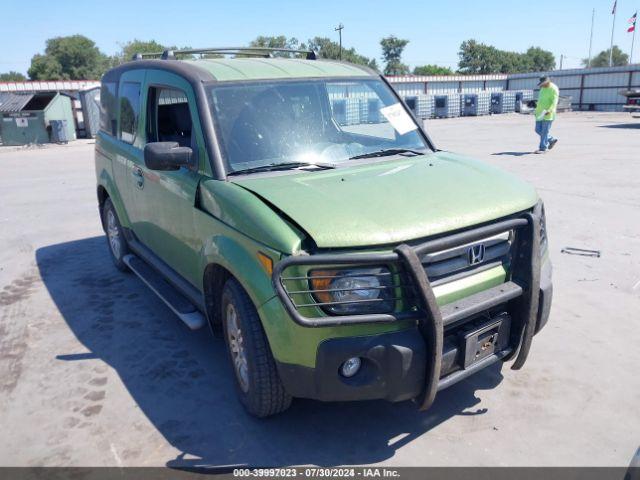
<point>453,263</point>
<point>444,260</point>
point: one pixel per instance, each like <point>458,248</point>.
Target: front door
<point>163,212</point>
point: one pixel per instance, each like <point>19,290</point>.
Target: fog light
<point>350,367</point>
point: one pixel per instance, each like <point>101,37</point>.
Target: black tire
<point>261,390</point>
<point>115,235</point>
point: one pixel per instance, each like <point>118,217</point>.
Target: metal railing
<point>266,52</point>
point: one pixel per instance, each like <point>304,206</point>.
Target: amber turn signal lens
<point>321,280</point>
<point>266,262</point>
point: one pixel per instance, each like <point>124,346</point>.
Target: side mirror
<point>166,156</point>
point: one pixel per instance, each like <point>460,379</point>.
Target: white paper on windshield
<point>398,118</point>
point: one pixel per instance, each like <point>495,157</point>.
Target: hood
<point>392,201</point>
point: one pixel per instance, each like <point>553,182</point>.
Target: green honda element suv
<point>297,207</point>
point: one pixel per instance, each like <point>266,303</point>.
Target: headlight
<point>353,291</point>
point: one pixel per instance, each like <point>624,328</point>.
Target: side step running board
<point>169,295</point>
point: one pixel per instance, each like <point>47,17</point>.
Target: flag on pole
<point>632,22</point>
<point>613,11</point>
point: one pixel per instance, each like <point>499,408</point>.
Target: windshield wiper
<point>387,152</point>
<point>282,166</point>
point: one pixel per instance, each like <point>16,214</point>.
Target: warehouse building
<point>596,89</point>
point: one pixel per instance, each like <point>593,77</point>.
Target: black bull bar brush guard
<point>519,295</point>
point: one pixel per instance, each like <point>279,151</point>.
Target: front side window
<point>129,111</point>
<point>169,118</point>
<point>310,121</point>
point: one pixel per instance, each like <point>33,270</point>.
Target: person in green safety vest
<point>546,113</point>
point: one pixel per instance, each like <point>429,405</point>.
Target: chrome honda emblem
<point>475,254</point>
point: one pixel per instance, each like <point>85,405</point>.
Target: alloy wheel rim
<point>113,234</point>
<point>237,348</point>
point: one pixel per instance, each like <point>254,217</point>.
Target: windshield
<point>323,122</point>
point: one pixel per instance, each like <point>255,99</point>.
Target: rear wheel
<point>257,380</point>
<point>115,236</point>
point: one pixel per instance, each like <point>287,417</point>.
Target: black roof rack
<point>265,52</point>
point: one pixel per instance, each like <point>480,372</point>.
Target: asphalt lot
<point>95,370</point>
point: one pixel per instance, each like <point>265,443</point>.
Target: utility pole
<point>339,30</point>
<point>593,14</point>
<point>613,28</point>
<point>561,58</point>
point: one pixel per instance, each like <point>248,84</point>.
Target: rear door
<point>163,201</point>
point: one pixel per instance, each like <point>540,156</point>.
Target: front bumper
<point>393,364</point>
<point>393,368</point>
<point>414,363</point>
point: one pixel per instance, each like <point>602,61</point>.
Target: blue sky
<point>435,28</point>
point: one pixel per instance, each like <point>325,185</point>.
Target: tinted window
<point>108,108</point>
<point>129,111</point>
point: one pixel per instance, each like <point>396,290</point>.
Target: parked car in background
<point>297,207</point>
<point>633,100</point>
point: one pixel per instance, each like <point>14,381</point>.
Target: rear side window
<point>108,108</point>
<point>129,111</point>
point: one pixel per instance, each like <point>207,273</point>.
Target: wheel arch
<point>214,278</point>
<point>107,189</point>
<point>102,194</point>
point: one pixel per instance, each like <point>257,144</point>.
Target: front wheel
<point>257,380</point>
<point>115,236</point>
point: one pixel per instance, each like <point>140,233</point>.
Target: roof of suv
<point>241,69</point>
<point>230,69</point>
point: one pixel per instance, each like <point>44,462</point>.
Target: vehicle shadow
<point>181,380</point>
<point>635,126</point>
<point>513,154</point>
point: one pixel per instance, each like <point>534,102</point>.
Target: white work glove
<point>542,115</point>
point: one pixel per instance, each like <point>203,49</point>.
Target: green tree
<point>327,48</point>
<point>75,57</point>
<point>602,59</point>
<point>12,76</point>
<point>130,48</point>
<point>45,67</point>
<point>478,58</point>
<point>539,59</point>
<point>472,57</point>
<point>323,46</point>
<point>279,41</point>
<point>392,48</point>
<point>432,70</point>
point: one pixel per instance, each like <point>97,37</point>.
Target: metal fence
<point>589,88</point>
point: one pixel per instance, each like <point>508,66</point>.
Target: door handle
<point>138,175</point>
